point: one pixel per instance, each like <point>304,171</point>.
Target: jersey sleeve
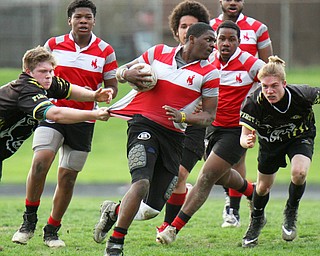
<point>150,55</point>
<point>60,88</point>
<point>263,37</point>
<point>111,65</point>
<point>254,70</point>
<point>211,84</point>
<point>312,94</point>
<point>33,100</point>
<point>49,44</point>
<point>249,113</point>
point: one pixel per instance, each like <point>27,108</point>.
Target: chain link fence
<point>132,26</point>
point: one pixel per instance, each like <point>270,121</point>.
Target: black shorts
<point>225,143</point>
<point>193,146</point>
<point>77,136</point>
<point>154,153</point>
<point>272,156</point>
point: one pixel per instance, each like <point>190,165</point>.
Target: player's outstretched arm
<point>79,93</point>
<point>66,115</point>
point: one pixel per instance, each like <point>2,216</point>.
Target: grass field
<point>107,161</point>
<point>202,236</point>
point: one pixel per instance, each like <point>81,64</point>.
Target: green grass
<point>201,236</point>
<point>107,162</point>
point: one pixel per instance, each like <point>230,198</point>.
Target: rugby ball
<point>146,68</point>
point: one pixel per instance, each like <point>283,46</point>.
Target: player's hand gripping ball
<point>146,68</point>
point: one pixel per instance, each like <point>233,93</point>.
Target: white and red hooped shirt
<point>237,77</point>
<point>86,67</point>
<point>254,34</point>
<point>181,88</point>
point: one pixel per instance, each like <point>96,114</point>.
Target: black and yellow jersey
<point>291,117</point>
<point>23,102</point>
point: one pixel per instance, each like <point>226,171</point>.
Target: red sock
<point>178,223</point>
<point>249,189</point>
<point>177,199</point>
<point>29,203</point>
<point>116,234</point>
<point>119,233</point>
<point>118,209</point>
<point>53,222</point>
<point>234,193</point>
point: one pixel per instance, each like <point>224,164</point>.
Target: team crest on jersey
<point>238,78</point>
<point>246,37</point>
<point>94,63</point>
<point>190,80</point>
<point>144,136</point>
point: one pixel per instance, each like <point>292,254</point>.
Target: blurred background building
<point>132,26</point>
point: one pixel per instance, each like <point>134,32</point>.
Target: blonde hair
<point>275,67</point>
<point>35,56</point>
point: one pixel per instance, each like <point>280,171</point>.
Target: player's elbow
<point>55,114</point>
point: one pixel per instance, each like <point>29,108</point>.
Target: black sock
<point>295,194</point>
<point>235,203</point>
<point>244,186</point>
<point>116,240</point>
<point>171,212</point>
<point>31,209</point>
<point>259,203</point>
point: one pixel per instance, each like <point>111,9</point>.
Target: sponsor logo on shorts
<point>144,136</point>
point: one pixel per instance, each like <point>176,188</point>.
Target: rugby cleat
<point>289,229</point>
<point>250,238</point>
<point>167,236</point>
<point>26,231</point>
<point>107,219</point>
<point>231,219</point>
<point>51,237</point>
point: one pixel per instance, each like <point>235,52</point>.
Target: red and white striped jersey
<point>254,34</point>
<point>181,88</point>
<point>86,67</point>
<point>237,77</point>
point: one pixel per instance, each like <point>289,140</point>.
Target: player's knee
<point>141,187</point>
<point>263,189</point>
<point>298,177</point>
<point>137,157</point>
<point>39,168</point>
